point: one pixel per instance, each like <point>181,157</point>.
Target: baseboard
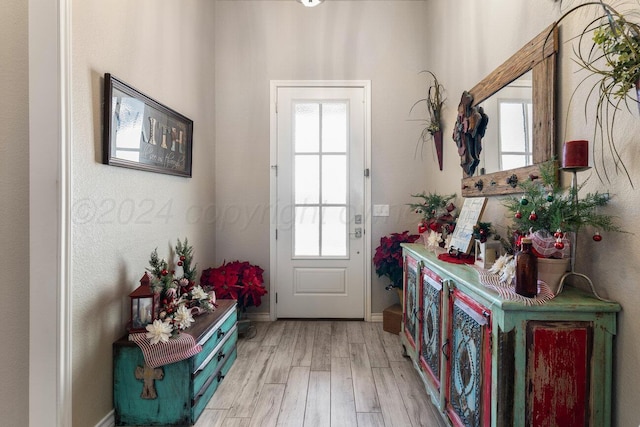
<point>259,317</point>
<point>376,317</point>
<point>266,317</point>
<point>108,420</point>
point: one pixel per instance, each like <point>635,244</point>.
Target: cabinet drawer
<point>200,401</point>
<point>214,360</point>
<point>214,336</point>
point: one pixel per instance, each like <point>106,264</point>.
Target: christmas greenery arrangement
<point>549,211</point>
<point>180,298</point>
<point>237,280</point>
<point>388,257</point>
<point>438,217</point>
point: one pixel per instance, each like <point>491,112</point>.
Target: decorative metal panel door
<point>431,336</point>
<point>411,292</point>
<point>468,392</point>
<point>320,202</point>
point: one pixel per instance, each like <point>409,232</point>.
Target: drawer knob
<point>220,376</point>
<point>221,356</point>
<point>221,333</point>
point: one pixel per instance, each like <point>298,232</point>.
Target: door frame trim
<point>273,137</point>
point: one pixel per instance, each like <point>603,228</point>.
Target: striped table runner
<point>179,348</point>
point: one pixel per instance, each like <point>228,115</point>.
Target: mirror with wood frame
<point>539,58</point>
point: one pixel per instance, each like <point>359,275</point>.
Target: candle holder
<point>574,236</point>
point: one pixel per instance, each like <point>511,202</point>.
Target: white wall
<point>164,49</point>
<point>470,39</point>
<point>14,218</point>
<point>259,41</point>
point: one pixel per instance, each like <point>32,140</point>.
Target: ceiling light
<point>310,3</point>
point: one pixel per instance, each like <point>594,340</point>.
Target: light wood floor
<point>321,373</point>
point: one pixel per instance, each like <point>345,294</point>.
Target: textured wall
<point>475,37</point>
<point>163,48</point>
<point>381,41</point>
<point>14,218</point>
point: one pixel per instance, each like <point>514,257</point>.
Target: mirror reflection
<point>508,139</point>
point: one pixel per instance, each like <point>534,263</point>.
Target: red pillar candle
<point>575,154</point>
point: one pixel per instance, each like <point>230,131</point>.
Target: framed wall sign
<point>141,133</point>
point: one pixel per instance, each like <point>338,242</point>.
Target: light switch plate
<point>380,210</point>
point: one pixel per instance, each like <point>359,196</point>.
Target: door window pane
<point>307,231</point>
<point>306,126</point>
<point>512,161</point>
<point>307,179</point>
<point>334,179</point>
<point>334,127</point>
<point>334,231</point>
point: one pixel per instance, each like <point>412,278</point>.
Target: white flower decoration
<point>508,272</point>
<point>447,241</point>
<point>159,331</point>
<point>434,239</point>
<point>183,317</point>
<point>199,293</point>
<point>499,264</point>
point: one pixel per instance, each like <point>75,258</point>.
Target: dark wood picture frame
<point>141,133</point>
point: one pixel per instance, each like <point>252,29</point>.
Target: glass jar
<point>526,270</point>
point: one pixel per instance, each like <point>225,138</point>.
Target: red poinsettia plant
<point>237,280</point>
<point>388,257</point>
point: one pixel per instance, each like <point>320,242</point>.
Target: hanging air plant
<point>435,102</point>
<point>608,49</point>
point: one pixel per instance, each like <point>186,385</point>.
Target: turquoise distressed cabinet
<point>489,361</point>
<point>177,393</point>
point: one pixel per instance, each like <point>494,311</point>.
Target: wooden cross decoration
<point>148,375</point>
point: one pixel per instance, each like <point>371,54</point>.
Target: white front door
<point>320,202</point>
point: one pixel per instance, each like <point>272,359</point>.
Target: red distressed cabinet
<point>489,361</point>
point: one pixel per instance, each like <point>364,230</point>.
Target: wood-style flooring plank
<point>229,389</point>
<point>247,398</point>
<point>281,360</point>
<point>392,345</point>
<point>318,412</point>
<point>339,341</point>
<point>269,402</point>
<point>354,332</point>
<point>364,389</point>
<point>247,348</point>
<point>375,349</point>
<point>295,398</point>
<point>393,409</point>
<point>304,344</point>
<point>211,418</point>
<point>343,407</point>
<point>321,357</point>
<point>236,422</point>
<point>370,419</point>
<point>273,335</point>
<point>416,400</point>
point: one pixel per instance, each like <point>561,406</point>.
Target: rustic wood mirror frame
<point>539,56</point>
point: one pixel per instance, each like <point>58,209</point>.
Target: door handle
<point>357,233</point>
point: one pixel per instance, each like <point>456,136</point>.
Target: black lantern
<point>144,306</point>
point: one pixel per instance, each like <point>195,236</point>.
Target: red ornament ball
<point>179,263</point>
<point>558,234</point>
<point>164,272</point>
<point>558,245</point>
<point>597,237</point>
<point>518,215</point>
<point>182,258</point>
<point>533,216</point>
<point>422,228</point>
